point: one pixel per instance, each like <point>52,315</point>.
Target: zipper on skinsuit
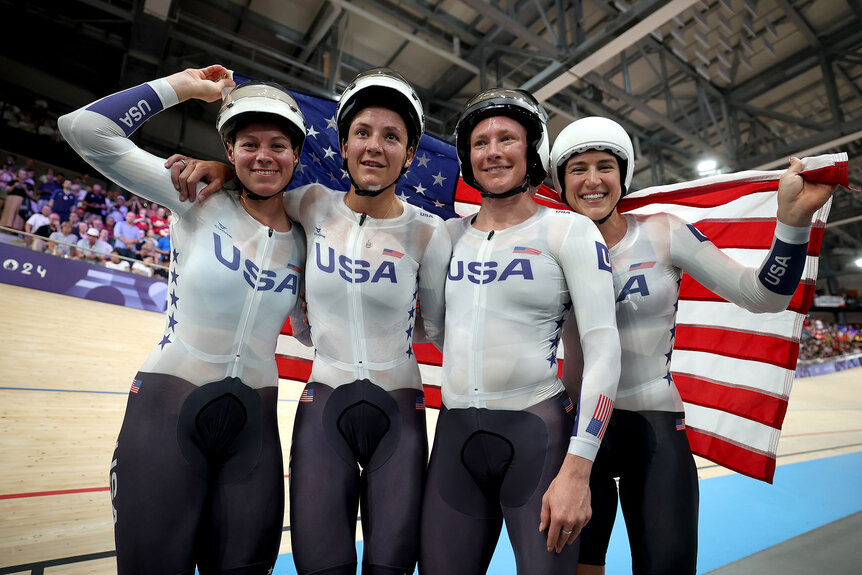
<point>245,320</point>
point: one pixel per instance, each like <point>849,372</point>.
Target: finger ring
<point>567,532</point>
<point>185,164</point>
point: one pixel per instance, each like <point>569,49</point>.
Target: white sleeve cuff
<point>583,448</point>
<point>165,92</point>
<point>792,234</point>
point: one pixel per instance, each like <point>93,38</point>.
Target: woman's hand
<point>187,173</point>
<point>204,84</point>
<point>798,198</point>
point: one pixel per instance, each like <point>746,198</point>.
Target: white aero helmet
<point>592,133</point>
<point>386,88</point>
<point>261,101</point>
<point>522,107</point>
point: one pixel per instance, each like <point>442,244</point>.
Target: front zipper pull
<point>491,235</point>
<point>270,232</point>
<point>362,219</point>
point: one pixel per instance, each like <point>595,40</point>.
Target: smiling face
<point>263,157</point>
<point>592,183</point>
<point>498,154</point>
<point>376,148</point>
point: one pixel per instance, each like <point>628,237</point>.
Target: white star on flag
<point>423,161</point>
<point>311,132</point>
<point>331,124</point>
<point>439,178</point>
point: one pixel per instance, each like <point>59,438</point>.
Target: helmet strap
<point>257,197</point>
<point>513,192</point>
<point>373,193</point>
<point>613,209</point>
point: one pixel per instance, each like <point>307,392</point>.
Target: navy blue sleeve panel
<point>783,267</point>
<point>130,108</point>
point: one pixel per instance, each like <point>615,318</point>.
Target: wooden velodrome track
<point>67,365</point>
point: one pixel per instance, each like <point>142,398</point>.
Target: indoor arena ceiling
<point>745,82</point>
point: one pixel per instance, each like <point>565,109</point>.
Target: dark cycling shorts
<point>658,492</point>
<point>357,447</point>
<point>488,465</point>
<point>197,478</point>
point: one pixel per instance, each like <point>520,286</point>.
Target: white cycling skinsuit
<point>364,405</point>
<point>646,444</point>
<point>506,424</point>
<point>200,432</point>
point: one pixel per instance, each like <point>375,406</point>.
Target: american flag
<point>420,403</point>
<point>568,405</point>
<point>734,369</point>
<point>136,386</point>
<point>307,396</point>
<point>393,253</point>
<point>526,250</point>
<point>599,422</point>
<point>641,266</point>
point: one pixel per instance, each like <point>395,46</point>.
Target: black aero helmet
<point>386,88</point>
<point>522,107</point>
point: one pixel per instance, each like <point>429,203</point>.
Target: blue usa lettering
<point>636,285</point>
<point>265,281</point>
<point>783,267</point>
<point>253,275</point>
<point>354,271</point>
<point>486,272</point>
<point>777,270</point>
<point>136,113</point>
<point>604,256</point>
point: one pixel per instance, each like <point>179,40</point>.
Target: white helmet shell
<point>386,88</point>
<point>261,98</point>
<point>592,133</point>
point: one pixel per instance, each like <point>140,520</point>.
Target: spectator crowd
<point>823,340</point>
<point>78,218</point>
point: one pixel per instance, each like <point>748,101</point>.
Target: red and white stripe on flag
<point>734,369</point>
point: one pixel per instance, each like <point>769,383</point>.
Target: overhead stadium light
<point>707,167</point>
